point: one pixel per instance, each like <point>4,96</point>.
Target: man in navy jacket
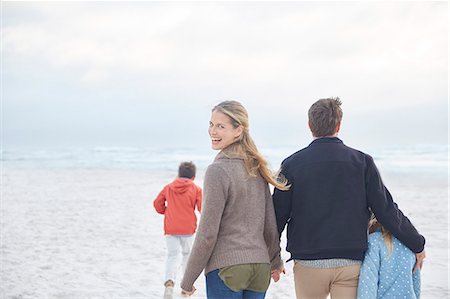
<point>333,190</point>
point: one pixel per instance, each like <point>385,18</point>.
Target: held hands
<point>420,257</point>
<point>276,274</point>
<point>188,293</point>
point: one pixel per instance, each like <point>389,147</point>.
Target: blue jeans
<point>216,289</point>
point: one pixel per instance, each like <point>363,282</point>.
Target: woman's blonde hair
<point>245,148</point>
<point>387,236</point>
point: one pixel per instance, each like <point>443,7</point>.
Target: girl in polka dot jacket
<point>387,269</point>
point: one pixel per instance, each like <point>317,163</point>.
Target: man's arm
<point>420,257</point>
<point>282,203</point>
<point>387,212</point>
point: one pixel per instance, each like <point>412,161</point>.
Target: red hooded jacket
<point>177,202</point>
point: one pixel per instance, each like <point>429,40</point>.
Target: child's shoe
<point>168,292</point>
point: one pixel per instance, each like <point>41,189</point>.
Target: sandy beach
<point>100,102</point>
<point>93,233</point>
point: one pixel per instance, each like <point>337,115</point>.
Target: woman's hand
<point>188,293</point>
<point>277,273</point>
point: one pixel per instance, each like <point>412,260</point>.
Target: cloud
<point>276,57</point>
<point>95,75</point>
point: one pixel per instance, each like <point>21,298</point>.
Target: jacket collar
<point>226,153</point>
<point>326,140</point>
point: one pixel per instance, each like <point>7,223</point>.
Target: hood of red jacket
<point>181,185</point>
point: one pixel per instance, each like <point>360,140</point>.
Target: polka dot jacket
<point>388,276</point>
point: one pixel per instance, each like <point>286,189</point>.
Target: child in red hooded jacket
<point>177,202</point>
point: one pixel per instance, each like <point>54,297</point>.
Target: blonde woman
<point>237,243</point>
<point>388,267</point>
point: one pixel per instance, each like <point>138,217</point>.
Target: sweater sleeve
<point>416,283</point>
<point>282,202</point>
<point>215,194</point>
<point>271,234</point>
<point>387,211</point>
<point>160,202</point>
<point>368,275</point>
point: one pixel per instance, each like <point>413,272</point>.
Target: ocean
<point>428,158</point>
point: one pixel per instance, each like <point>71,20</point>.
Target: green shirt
<point>253,277</point>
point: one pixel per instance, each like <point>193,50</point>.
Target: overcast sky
<point>148,73</point>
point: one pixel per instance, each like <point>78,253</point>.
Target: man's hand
<point>276,274</point>
<point>188,293</point>
<point>419,260</point>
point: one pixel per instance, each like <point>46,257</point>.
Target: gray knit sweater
<point>237,224</point>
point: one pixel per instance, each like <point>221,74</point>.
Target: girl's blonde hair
<point>245,148</point>
<point>387,236</point>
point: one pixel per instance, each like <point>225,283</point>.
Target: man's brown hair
<point>186,170</point>
<point>324,116</point>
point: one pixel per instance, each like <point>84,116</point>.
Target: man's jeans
<point>175,244</point>
<point>216,289</point>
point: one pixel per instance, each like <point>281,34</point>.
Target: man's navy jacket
<point>333,189</point>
